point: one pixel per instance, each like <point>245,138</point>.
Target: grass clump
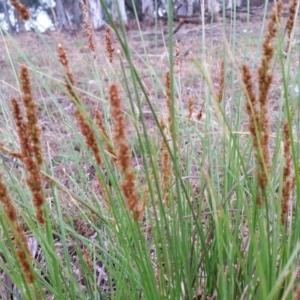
<point>205,202</point>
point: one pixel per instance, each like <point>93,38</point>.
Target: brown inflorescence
<point>21,9</point>
<point>290,22</point>
<point>251,104</point>
<point>108,43</point>
<point>124,155</point>
<point>89,135</point>
<point>221,81</point>
<point>69,80</point>
<point>265,78</point>
<point>33,180</point>
<point>190,107</point>
<point>22,249</point>
<point>287,180</point>
<point>85,127</point>
<point>31,115</point>
<point>257,107</point>
<point>87,27</point>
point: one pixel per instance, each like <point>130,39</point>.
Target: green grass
<point>211,240</point>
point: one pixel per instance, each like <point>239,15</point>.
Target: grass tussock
<point>146,198</point>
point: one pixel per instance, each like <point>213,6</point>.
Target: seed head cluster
<point>87,27</point>
<point>29,135</point>
<point>21,9</point>
<point>290,22</point>
<point>287,172</point>
<point>108,43</point>
<point>33,180</point>
<point>257,107</point>
<point>86,129</point>
<point>124,155</point>
<point>31,115</point>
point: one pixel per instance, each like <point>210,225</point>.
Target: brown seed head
<point>86,129</point>
<point>251,104</point>
<point>34,180</point>
<point>89,135</point>
<point>108,42</point>
<point>69,80</point>
<point>87,27</point>
<point>21,9</point>
<point>287,170</point>
<point>259,122</point>
<point>31,114</point>
<point>290,22</point>
<point>124,155</point>
<point>265,78</point>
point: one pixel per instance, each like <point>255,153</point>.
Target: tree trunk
<point>95,11</point>
<point>7,19</point>
<point>20,23</point>
<point>60,14</point>
<point>119,5</point>
<point>148,11</point>
<point>190,7</point>
<point>76,14</point>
